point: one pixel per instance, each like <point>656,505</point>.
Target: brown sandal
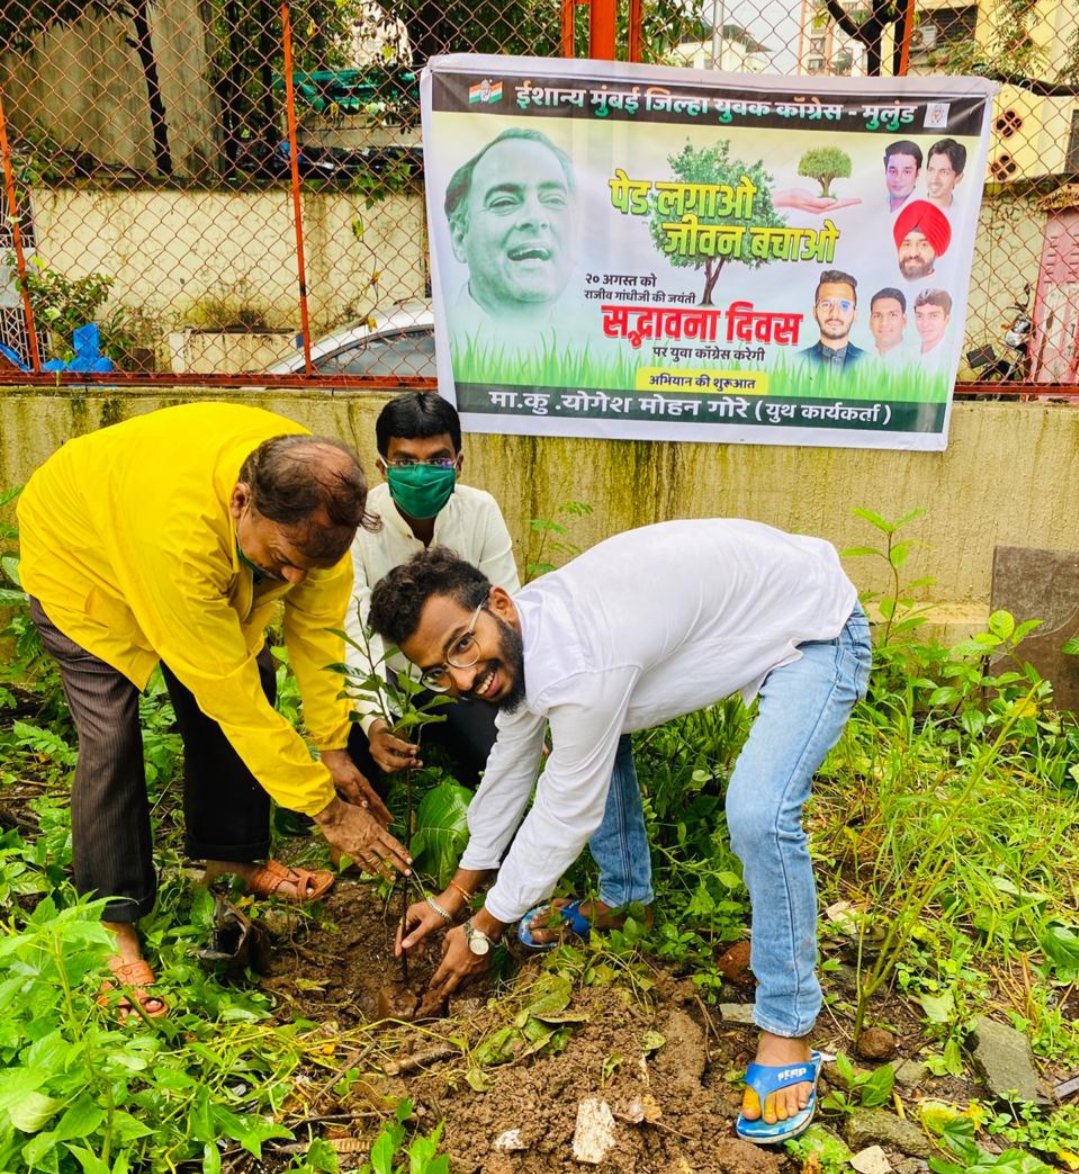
<point>134,977</point>
<point>309,886</point>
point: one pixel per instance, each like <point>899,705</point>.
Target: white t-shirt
<point>646,626</point>
<point>470,524</point>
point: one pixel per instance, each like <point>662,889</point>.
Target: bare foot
<point>549,927</point>
<point>786,1102</point>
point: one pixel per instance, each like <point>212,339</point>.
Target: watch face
<point>478,943</point>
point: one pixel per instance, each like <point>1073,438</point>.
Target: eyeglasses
<point>412,463</point>
<point>463,655</point>
<point>845,305</point>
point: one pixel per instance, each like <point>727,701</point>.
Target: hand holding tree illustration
<point>802,201</point>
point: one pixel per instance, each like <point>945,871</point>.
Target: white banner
<point>641,252</point>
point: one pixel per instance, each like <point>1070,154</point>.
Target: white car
<point>400,341</point>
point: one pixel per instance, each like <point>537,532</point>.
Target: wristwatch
<point>476,940</point>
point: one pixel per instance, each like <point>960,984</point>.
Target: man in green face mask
<point>421,504</point>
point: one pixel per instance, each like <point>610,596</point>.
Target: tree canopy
<point>825,164</point>
<point>714,165</point>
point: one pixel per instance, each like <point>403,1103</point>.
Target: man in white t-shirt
<point>418,435</point>
<point>646,626</point>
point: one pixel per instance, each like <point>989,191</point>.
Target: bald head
<point>314,488</point>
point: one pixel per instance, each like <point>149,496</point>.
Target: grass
<point>614,367</point>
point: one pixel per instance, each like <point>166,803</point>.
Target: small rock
<point>737,1012</point>
<point>871,1160</point>
<point>876,1044</point>
<point>510,1140</point>
<point>868,1127</point>
<point>845,977</point>
<point>912,1166</point>
<point>1004,1061</point>
<point>639,1109</point>
<point>910,1073</point>
<point>734,966</point>
<point>594,1135</point>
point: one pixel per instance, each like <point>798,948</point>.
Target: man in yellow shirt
<point>170,538</point>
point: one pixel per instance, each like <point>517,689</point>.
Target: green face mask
<point>421,490</point>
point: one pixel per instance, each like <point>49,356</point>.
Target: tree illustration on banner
<point>714,166</point>
<point>825,164</point>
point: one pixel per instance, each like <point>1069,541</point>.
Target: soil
<point>674,1103</point>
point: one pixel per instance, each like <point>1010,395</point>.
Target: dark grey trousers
<point>226,812</point>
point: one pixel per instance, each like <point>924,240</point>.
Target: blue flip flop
<point>571,914</point>
<point>766,1079</point>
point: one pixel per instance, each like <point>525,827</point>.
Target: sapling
<point>399,701</point>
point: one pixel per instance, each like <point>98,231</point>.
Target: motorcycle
<point>1013,367</point>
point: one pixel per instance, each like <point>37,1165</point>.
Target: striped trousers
<point>226,812</point>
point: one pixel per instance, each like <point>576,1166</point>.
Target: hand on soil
<point>417,923</point>
<point>458,965</point>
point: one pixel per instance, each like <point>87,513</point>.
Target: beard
<point>512,653</point>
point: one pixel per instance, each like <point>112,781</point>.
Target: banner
<point>642,252</point>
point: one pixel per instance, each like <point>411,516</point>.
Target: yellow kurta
<point>128,543</point>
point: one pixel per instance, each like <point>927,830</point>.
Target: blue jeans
<point>802,710</point>
<point>620,845</point>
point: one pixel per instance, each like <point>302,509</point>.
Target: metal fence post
<point>16,237</point>
<point>297,204</point>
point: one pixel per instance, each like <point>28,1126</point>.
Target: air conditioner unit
<point>924,36</point>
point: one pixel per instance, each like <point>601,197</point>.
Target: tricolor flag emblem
<point>486,91</point>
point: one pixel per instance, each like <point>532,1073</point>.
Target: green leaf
<point>92,1164</point>
<point>877,1089</point>
<point>938,1008</point>
<point>80,1120</point>
<point>1002,624</point>
<point>443,831</point>
<point>858,551</point>
<point>652,1041</point>
<point>1061,946</point>
<point>874,519</point>
<point>32,1110</point>
<point>1071,647</point>
<point>322,1156</point>
<point>554,994</point>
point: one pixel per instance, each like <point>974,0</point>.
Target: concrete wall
<point>1009,477</point>
<point>172,253</point>
<point>84,87</point>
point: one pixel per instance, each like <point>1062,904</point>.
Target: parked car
<point>400,341</point>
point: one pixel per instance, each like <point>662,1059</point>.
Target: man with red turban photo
<point>922,235</point>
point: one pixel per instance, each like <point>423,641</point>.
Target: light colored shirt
<point>128,543</point>
<point>470,524</point>
<point>646,626</point>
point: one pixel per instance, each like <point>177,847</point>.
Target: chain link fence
<point>151,186</point>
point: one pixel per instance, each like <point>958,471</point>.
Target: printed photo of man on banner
<point>643,252</point>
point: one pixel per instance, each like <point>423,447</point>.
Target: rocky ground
<point>630,1073</point>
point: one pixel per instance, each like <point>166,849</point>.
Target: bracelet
<point>464,893</point>
<point>446,917</point>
